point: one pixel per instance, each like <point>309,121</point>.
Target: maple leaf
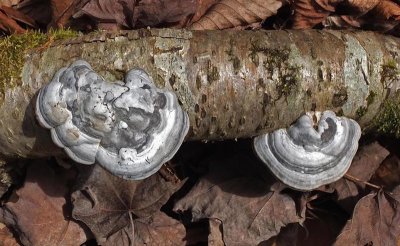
<point>363,166</point>
<point>121,212</point>
<point>375,221</point>
<point>40,209</point>
<point>251,209</point>
<point>233,13</point>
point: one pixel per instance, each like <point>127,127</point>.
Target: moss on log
<point>233,84</point>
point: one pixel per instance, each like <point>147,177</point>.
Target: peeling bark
<point>233,84</point>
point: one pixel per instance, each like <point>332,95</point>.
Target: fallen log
<point>233,84</point>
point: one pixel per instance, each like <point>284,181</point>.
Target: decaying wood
<point>233,84</point>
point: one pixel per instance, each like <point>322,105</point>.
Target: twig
<point>354,179</point>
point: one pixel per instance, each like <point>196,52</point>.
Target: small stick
<point>354,179</point>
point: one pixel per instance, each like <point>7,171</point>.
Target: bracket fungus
<point>305,158</point>
<point>129,128</point>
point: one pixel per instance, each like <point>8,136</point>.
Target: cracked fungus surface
<point>14,48</point>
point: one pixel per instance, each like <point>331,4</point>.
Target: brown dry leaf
<point>110,12</point>
<point>162,12</point>
<point>308,13</point>
<point>62,11</point>
<point>251,209</point>
<point>38,10</point>
<point>215,233</point>
<point>342,21</point>
<point>18,16</point>
<point>6,237</point>
<point>364,165</point>
<point>361,7</point>
<point>116,209</point>
<point>41,208</point>
<point>12,21</point>
<point>387,9</point>
<point>136,14</point>
<point>375,221</point>
<point>9,3</point>
<point>160,229</point>
<point>233,13</point>
<point>202,7</point>
<point>388,173</point>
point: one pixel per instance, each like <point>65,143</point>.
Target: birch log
<point>233,84</point>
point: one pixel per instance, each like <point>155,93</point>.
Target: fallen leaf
<point>113,12</point>
<point>202,7</point>
<point>116,209</point>
<point>215,233</point>
<point>62,11</point>
<point>341,21</point>
<point>18,16</point>
<point>38,10</point>
<point>286,237</point>
<point>233,13</point>
<point>387,9</point>
<point>162,12</point>
<point>8,24</point>
<point>135,14</point>
<point>388,173</point>
<point>364,165</point>
<point>6,237</point>
<point>251,209</point>
<point>375,221</point>
<point>157,230</point>
<point>41,208</point>
<point>308,13</point>
<point>9,3</point>
<point>322,225</point>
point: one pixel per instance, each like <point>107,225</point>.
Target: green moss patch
<point>388,120</point>
<point>389,72</point>
<point>14,48</point>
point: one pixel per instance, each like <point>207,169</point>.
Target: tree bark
<point>233,84</point>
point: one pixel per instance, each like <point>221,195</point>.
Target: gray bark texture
<point>233,84</point>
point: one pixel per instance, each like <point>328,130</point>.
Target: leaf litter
<point>227,195</point>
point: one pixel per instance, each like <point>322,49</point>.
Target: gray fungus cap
<point>305,158</point>
<point>130,128</point>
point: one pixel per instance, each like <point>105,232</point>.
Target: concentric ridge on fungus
<point>129,128</point>
<point>305,158</point>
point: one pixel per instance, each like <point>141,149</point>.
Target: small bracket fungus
<point>129,128</point>
<point>305,158</point>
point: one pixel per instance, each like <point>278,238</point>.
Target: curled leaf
<point>375,221</point>
<point>12,21</point>
<point>233,13</point>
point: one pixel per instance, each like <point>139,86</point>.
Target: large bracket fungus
<point>306,158</point>
<point>129,128</point>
